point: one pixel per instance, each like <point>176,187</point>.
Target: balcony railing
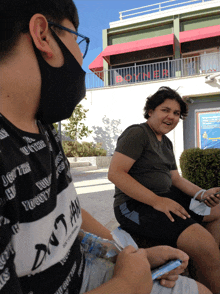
<point>177,68</point>
<point>157,7</point>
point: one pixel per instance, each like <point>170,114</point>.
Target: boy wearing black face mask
<point>41,81</point>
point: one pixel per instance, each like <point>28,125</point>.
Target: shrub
<point>201,167</point>
<point>84,149</point>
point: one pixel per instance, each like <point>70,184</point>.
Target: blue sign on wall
<point>208,129</point>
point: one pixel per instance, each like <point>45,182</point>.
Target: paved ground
<point>96,195</point>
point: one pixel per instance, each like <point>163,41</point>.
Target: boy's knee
<point>196,241</point>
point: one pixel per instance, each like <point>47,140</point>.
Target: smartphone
<point>167,267</point>
<point>213,194</point>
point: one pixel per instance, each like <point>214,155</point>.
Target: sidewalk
<point>96,193</point>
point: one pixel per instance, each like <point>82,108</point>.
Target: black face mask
<point>62,88</point>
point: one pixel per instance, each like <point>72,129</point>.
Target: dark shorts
<point>143,220</point>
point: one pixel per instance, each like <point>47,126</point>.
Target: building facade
<point>175,45</point>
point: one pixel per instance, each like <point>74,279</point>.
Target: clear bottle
<point>99,247</point>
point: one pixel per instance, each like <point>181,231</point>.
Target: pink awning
<point>137,46</point>
<point>199,34</point>
<point>97,66</point>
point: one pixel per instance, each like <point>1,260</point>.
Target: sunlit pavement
<point>96,193</point>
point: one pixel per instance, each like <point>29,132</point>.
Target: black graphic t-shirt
<point>40,215</point>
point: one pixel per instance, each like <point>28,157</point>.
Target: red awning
<point>199,34</point>
<point>97,63</point>
<point>137,46</point>
<point>97,66</point>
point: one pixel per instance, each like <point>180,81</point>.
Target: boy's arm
<point>91,225</point>
<point>190,189</point>
<point>156,255</point>
<point>132,274</point>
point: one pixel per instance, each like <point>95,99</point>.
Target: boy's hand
<point>167,205</point>
<point>212,197</point>
<point>132,268</point>
<point>159,255</point>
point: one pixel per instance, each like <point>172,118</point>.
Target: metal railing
<point>159,7</point>
<point>177,68</point>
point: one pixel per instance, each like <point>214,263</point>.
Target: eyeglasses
<point>83,43</point>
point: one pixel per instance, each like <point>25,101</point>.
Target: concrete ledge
<point>112,224</point>
<point>79,164</point>
<point>98,161</point>
<point>79,169</point>
<point>103,161</point>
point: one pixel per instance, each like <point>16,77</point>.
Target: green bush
<point>84,149</point>
<point>201,167</point>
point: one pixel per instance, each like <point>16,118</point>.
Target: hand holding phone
<point>215,194</point>
<point>167,267</point>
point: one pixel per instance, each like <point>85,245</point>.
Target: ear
<point>39,32</point>
<point>150,112</point>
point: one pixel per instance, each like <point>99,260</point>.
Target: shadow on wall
<point>108,134</point>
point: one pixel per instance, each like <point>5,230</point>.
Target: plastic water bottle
<point>99,247</point>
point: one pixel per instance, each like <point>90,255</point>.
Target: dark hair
<point>15,16</point>
<point>160,96</point>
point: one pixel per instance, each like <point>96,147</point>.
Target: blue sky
<point>95,16</point>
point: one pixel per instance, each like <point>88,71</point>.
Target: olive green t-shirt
<point>154,159</point>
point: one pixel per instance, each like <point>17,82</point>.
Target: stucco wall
<point>113,109</point>
<point>96,161</point>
